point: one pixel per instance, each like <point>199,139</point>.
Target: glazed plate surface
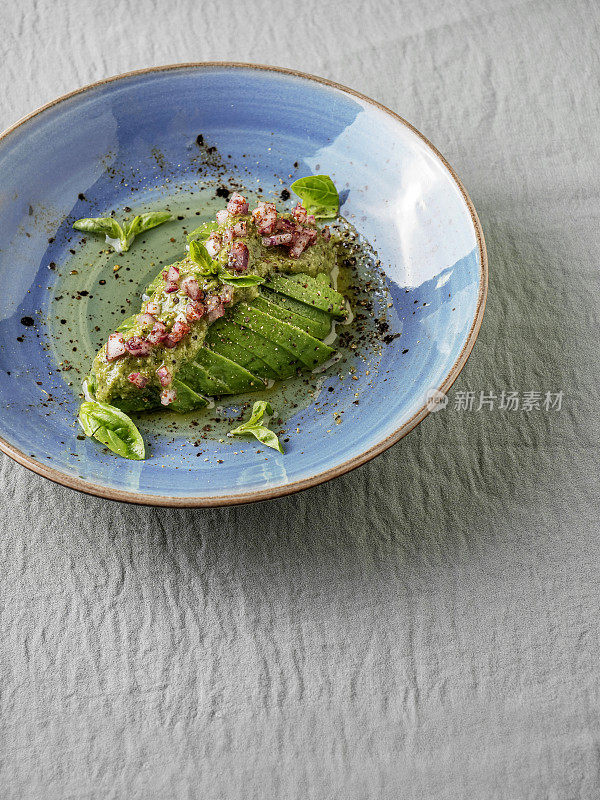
<point>133,140</point>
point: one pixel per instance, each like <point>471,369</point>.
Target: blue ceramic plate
<point>132,131</point>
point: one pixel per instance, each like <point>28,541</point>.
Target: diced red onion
<point>237,204</point>
<point>222,216</point>
<point>213,245</point>
<point>214,308</point>
<point>115,347</point>
<point>228,236</point>
<point>300,243</point>
<point>226,295</point>
<point>277,238</point>
<point>284,226</point>
<point>153,308</point>
<point>265,217</point>
<point>215,314</point>
<point>191,287</point>
<point>240,229</point>
<point>310,219</point>
<point>168,396</point>
<point>312,235</point>
<point>164,376</point>
<point>138,379</point>
<point>238,257</point>
<point>179,330</point>
<point>195,311</point>
<point>146,319</point>
<point>138,346</point>
<point>299,213</point>
<point>172,275</point>
<point>171,287</point>
<point>158,333</point>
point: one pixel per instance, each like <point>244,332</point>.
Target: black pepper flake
<point>27,321</point>
<point>223,192</point>
<point>199,140</point>
<point>102,282</point>
<point>81,196</point>
<point>285,195</point>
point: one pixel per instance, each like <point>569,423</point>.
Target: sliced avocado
<point>187,399</point>
<point>298,343</point>
<point>320,319</point>
<point>304,323</point>
<point>146,402</point>
<point>224,369</point>
<point>199,379</point>
<point>277,358</point>
<point>235,352</point>
<point>310,291</point>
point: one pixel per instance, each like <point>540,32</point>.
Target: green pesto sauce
<point>110,377</point>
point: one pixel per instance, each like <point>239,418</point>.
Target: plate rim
<point>121,495</point>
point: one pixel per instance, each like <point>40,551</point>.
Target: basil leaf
<point>259,409</point>
<point>143,222</point>
<point>240,280</point>
<point>254,428</point>
<point>113,428</point>
<point>88,388</point>
<point>199,255</point>
<point>110,227</point>
<point>202,232</point>
<point>318,194</point>
<point>117,237</point>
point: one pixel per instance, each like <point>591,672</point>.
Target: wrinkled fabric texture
<point>424,627</point>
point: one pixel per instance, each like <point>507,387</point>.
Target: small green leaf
<point>202,232</point>
<point>106,225</point>
<point>259,409</point>
<point>199,255</point>
<point>240,280</point>
<point>113,428</point>
<point>254,428</point>
<point>319,195</point>
<point>88,388</point>
<point>143,222</point>
<point>117,237</point>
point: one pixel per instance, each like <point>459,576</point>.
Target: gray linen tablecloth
<point>425,627</point>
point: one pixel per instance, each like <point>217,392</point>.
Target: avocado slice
<point>199,379</point>
<point>277,358</point>
<point>187,399</point>
<point>304,323</point>
<point>320,321</point>
<point>223,339</point>
<point>301,345</point>
<point>310,291</point>
<point>231,374</point>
